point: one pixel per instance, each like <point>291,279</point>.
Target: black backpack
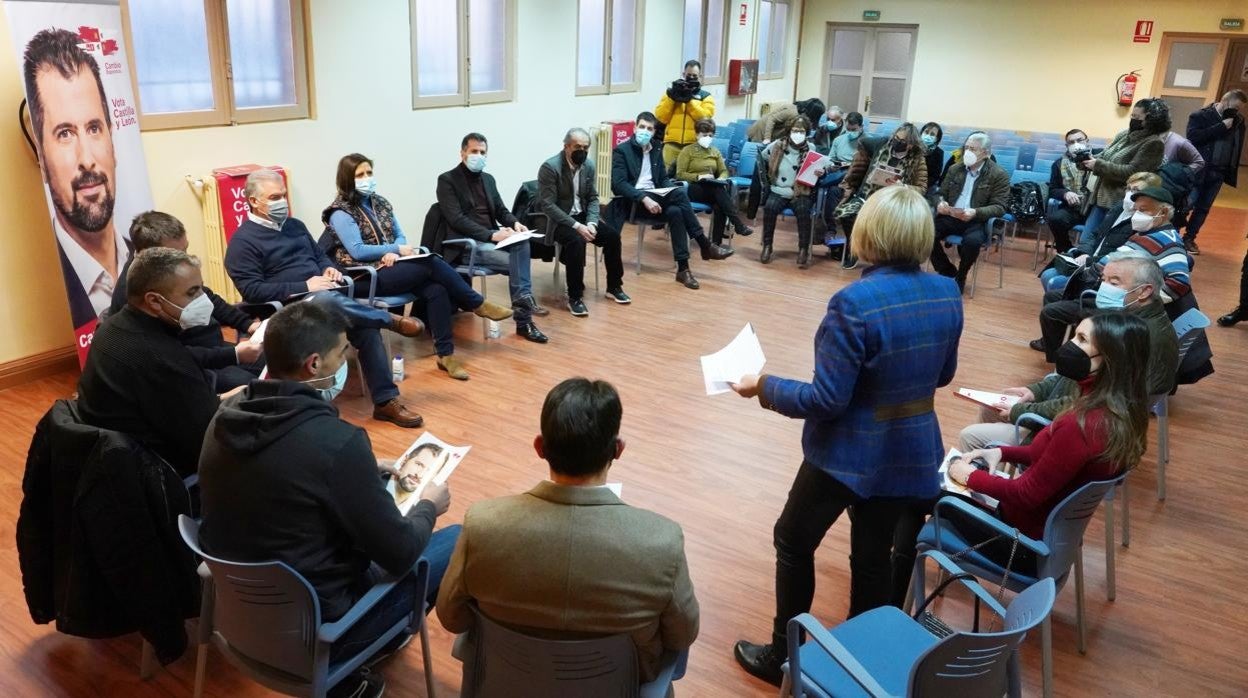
<point>1026,201</point>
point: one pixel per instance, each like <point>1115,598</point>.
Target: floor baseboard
<point>37,366</point>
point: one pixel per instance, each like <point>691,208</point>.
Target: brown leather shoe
<point>396,412</point>
<point>493,311</point>
<point>685,276</point>
<point>453,367</point>
<point>407,326</point>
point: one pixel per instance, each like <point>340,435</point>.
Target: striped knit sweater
<point>1165,246</point>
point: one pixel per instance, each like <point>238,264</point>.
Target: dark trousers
<point>682,223</point>
<point>973,235</point>
<point>365,335</point>
<point>1061,220</point>
<point>994,545</point>
<point>230,377</point>
<point>816,500</point>
<point>1057,316</point>
<point>574,253</point>
<point>830,194</point>
<point>437,283</point>
<point>775,205</point>
<point>905,548</point>
<point>1243,285</point>
<point>723,208</point>
<point>400,600</point>
<point>1208,184</point>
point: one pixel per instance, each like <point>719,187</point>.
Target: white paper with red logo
<point>87,135</point>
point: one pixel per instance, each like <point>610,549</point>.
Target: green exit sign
<point>1228,23</point>
<point>874,16</point>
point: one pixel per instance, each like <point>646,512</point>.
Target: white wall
<point>361,70</point>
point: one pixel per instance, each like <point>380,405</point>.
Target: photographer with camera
<point>1068,184</point>
<point>680,110</point>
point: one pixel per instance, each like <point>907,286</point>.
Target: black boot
<point>803,257</point>
<point>762,661</point>
<point>1233,318</point>
<point>803,247</point>
<point>765,255</point>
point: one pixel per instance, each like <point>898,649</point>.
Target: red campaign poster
<point>620,131</point>
<point>230,183</point>
<point>75,68</point>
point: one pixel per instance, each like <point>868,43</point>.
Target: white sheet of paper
<point>997,401</point>
<point>518,237</point>
<point>949,485</point>
<point>1186,77</point>
<point>659,192</point>
<point>421,255</point>
<point>258,335</point>
<point>742,356</point>
<point>444,459</point>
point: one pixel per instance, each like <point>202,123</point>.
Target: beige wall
<point>1015,64</point>
<point>363,87</point>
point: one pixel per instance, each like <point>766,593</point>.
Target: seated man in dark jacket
<point>637,171</point>
<point>973,191</point>
<point>1068,186</point>
<point>282,477</point>
<point>471,208</point>
<point>139,379</point>
<point>229,366</point>
<point>272,257</point>
<point>568,197</point>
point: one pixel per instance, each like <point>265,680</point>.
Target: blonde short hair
<point>1145,179</point>
<point>894,227</point>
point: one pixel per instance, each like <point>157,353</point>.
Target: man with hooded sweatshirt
<point>282,477</point>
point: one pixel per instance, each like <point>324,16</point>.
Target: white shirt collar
<point>95,280</point>
<point>261,220</point>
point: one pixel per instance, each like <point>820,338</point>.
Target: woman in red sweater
<point>1099,437</point>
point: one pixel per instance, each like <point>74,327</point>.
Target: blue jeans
<point>515,262</point>
<point>1203,195</point>
<point>1096,215</point>
<point>365,335</point>
<point>401,599</point>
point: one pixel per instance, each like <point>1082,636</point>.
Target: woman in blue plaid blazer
<point>871,439</point>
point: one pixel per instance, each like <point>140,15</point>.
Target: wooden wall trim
<point>37,366</point>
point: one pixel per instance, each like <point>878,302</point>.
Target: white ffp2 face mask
<point>197,313</point>
<point>1141,222</point>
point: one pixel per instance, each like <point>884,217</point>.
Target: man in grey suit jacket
<point>568,197</point>
<point>568,559</point>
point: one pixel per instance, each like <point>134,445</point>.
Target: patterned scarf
<point>369,229</point>
<point>1072,176</point>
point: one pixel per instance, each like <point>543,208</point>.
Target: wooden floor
<point>721,467</point>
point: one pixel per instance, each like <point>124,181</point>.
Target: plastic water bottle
<point>494,330</point>
<point>396,369</point>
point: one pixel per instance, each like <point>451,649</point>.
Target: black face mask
<point>1135,124</point>
<point>899,148</point>
<point>1230,113</point>
<point>578,157</point>
<point>1073,362</point>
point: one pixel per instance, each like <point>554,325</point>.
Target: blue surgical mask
<point>853,135</point>
<point>279,211</point>
<point>1110,297</point>
<point>643,137</point>
<point>928,140</point>
<point>340,380</point>
<point>366,186</point>
<point>475,162</point>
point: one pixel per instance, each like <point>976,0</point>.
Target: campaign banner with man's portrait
<point>76,72</point>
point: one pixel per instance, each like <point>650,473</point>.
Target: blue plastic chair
<point>885,652</point>
<point>1060,550</point>
<point>500,661</point>
<point>745,168</point>
<point>266,619</point>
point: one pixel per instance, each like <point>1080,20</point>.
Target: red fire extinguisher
<point>1126,88</point>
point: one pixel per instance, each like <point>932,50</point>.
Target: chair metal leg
<point>1163,446</point>
<point>641,235</point>
<point>1109,545</point>
<point>1046,654</point>
<point>786,687</point>
<point>201,669</point>
<point>1126,513</point>
<point>974,277</point>
<point>1079,610</point>
<point>147,661</point>
<point>485,322</point>
<point>428,657</point>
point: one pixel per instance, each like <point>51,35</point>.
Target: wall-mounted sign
<point>1232,24</point>
<point>870,15</point>
<point>744,10</point>
<point>1143,31</point>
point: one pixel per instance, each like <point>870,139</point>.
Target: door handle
<point>867,108</point>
